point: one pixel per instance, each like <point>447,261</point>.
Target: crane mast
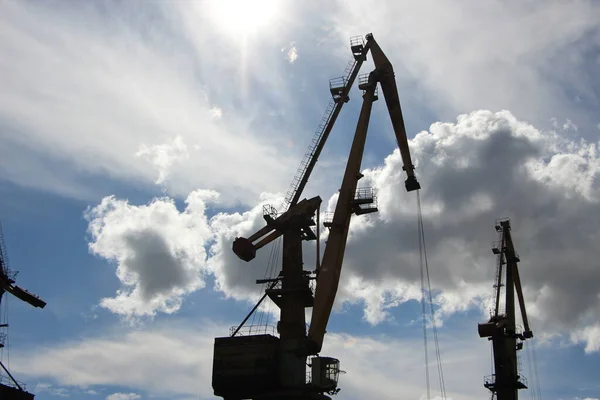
<point>501,329</point>
<point>265,367</point>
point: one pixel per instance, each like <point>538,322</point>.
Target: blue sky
<point>128,127</point>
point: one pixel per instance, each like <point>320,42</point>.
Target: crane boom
<point>333,256</point>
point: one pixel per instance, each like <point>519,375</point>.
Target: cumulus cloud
<point>482,167</point>
<point>235,277</point>
<point>162,156</point>
<point>590,336</point>
<point>158,250</point>
<point>123,396</point>
<point>567,126</point>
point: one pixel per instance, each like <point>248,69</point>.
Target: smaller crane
<point>501,329</point>
<point>16,391</point>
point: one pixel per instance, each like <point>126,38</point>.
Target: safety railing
<point>254,330</point>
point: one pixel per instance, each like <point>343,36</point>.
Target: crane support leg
<point>329,273</point>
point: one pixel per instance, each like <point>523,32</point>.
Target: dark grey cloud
<point>487,166</point>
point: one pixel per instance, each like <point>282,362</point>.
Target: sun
<point>243,16</point>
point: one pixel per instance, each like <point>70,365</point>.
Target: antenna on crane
<point>11,388</point>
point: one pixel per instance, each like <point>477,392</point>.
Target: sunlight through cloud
<point>241,17</point>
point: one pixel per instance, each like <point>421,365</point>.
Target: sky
<point>139,138</point>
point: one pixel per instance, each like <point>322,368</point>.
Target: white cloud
<point>483,167</point>
<point>216,112</point>
<point>462,56</point>
<point>159,251</point>
<point>123,396</point>
<point>131,360</point>
<point>163,156</point>
<point>569,125</point>
<point>42,387</point>
<point>590,336</point>
<point>86,88</point>
<point>233,276</point>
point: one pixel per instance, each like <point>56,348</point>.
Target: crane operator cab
<point>325,372</point>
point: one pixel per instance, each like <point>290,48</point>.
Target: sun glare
<point>243,16</point>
